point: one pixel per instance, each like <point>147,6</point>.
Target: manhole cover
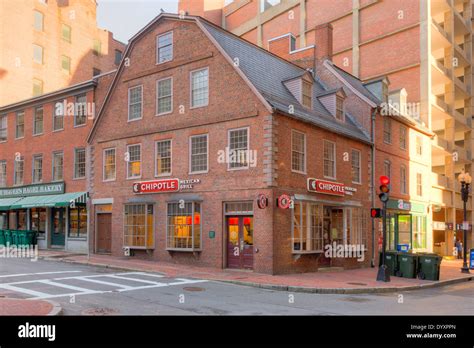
<point>361,284</point>
<point>100,311</point>
<point>193,288</point>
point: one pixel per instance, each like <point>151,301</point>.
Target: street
<point>87,290</point>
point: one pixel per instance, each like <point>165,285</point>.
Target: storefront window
<point>78,222</point>
<point>184,226</point>
<point>17,220</point>
<point>3,221</point>
<point>138,226</point>
<point>38,221</point>
<point>307,227</point>
<point>419,232</point>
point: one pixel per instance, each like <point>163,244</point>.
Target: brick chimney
<point>323,41</point>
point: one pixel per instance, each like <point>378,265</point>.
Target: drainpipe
<point>372,182</point>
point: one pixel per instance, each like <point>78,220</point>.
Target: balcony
<point>440,181</point>
<point>439,37</point>
<point>441,146</point>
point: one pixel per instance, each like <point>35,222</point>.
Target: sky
<point>124,18</point>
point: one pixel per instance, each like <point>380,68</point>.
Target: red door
<point>240,242</point>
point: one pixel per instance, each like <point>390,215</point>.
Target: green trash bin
<point>429,265</point>
<point>2,237</point>
<point>407,265</point>
<point>390,261</point>
<point>27,238</point>
<point>14,239</point>
<point>8,237</point>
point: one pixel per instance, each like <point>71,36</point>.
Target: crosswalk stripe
<point>26,291</point>
<point>33,274</point>
<point>89,279</point>
<point>66,286</point>
<point>134,279</point>
<point>142,273</point>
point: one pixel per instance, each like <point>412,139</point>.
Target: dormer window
<point>164,48</point>
<point>339,108</point>
<point>307,93</point>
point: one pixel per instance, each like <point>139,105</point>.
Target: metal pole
<point>383,273</point>
<point>465,197</point>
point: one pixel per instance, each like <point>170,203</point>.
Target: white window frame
<point>303,81</point>
<point>419,184</point>
<point>342,110</point>
<point>76,110</point>
<point>52,164</point>
<point>157,52</point>
<point>387,121</point>
<point>128,162</point>
<point>191,88</point>
<point>33,181</point>
<point>304,149</point>
<point>158,97</point>
<point>248,148</point>
<point>75,163</point>
<point>34,121</point>
<point>4,117</point>
<point>192,217</point>
<point>3,182</point>
<point>335,159</point>
<point>146,247</point>
<point>141,102</point>
<point>171,157</point>
<point>190,153</point>
<point>16,124</point>
<point>15,163</point>
<point>419,145</point>
<point>103,164</point>
<point>360,166</point>
<point>55,116</point>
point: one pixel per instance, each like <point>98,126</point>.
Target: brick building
<point>213,151</point>
<point>424,47</point>
<point>43,163</point>
<point>59,45</point>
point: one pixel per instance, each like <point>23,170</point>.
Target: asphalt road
<point>87,290</point>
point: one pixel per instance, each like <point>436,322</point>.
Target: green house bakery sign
<point>33,190</point>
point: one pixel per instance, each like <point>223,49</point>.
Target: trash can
<point>407,265</point>
<point>14,238</point>
<point>26,238</point>
<point>428,266</point>
<point>2,237</point>
<point>8,237</point>
<point>390,261</point>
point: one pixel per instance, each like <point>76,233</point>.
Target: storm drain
<point>193,288</point>
<point>361,284</point>
<point>100,311</point>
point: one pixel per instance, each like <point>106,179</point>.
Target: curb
<point>303,289</point>
<point>57,309</point>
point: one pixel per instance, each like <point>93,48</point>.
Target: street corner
<point>15,307</point>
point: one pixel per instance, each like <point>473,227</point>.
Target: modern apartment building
<point>46,45</point>
<point>423,47</point>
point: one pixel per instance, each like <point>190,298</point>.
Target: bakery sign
<point>164,185</point>
<point>329,187</point>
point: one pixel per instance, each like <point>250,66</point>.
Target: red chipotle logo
<point>156,186</point>
<point>327,187</point>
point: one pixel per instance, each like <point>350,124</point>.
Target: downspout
<point>372,182</point>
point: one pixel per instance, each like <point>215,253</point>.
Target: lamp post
<point>465,181</point>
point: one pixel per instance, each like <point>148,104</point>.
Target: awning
<point>63,200</point>
<point>5,203</point>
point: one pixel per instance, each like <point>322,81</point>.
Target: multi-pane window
<point>200,87</point>
<point>19,171</point>
<point>164,48</point>
<point>164,96</point>
<point>80,110</point>
<point>3,173</point>
<point>355,166</point>
<point>134,168</point>
<point>20,124</point>
<point>58,116</point>
<point>307,92</point>
<point>38,20</point>
<point>66,64</point>
<point>403,179</point>
<point>109,164</point>
<point>3,127</point>
<point>419,184</point>
<point>79,163</point>
<point>38,221</point>
<point>163,157</point>
<point>38,121</point>
<point>239,148</point>
<point>387,168</point>
<point>198,153</point>
<point>329,159</point>
<point>387,130</point>
<point>339,108</point>
<point>135,103</point>
<point>298,151</point>
<point>38,54</point>
<point>419,239</point>
<point>66,32</point>
<point>419,145</point>
<point>403,138</point>
<point>138,226</point>
<point>118,57</point>
<point>37,87</point>
<point>78,222</point>
<point>184,226</point>
<point>58,164</point>
<point>37,168</point>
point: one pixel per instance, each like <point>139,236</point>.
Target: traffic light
<point>384,188</point>
<point>376,213</point>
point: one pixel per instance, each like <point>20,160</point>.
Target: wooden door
<point>104,233</point>
<point>240,242</point>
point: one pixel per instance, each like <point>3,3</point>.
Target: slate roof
<point>267,73</point>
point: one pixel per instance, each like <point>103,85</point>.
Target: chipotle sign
<point>156,186</point>
<point>327,187</point>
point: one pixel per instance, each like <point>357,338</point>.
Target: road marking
<point>32,274</point>
<point>142,273</point>
<point>25,291</point>
<point>134,279</point>
<point>66,286</point>
<point>88,279</point>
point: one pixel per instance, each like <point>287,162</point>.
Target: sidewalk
<point>337,282</point>
<point>14,306</point>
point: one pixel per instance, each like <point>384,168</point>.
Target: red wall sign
<point>156,186</point>
<point>327,187</point>
<point>284,201</point>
